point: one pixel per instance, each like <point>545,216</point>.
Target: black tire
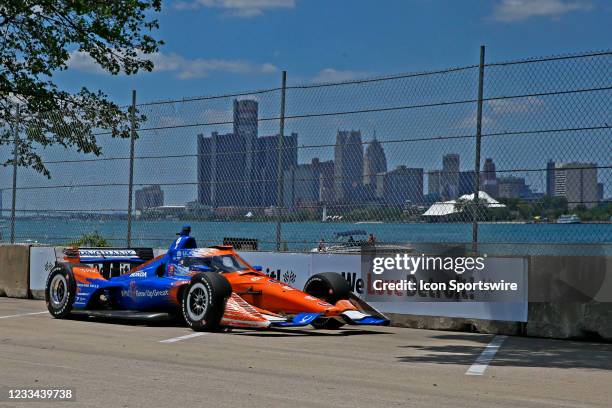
<point>60,291</point>
<point>330,287</point>
<point>203,302</point>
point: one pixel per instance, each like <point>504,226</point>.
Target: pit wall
<point>23,272</point>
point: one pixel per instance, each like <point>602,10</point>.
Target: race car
<point>209,288</point>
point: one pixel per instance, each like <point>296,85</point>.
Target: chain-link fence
<point>396,160</point>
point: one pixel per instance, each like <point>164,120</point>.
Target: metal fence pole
<point>477,155</point>
<point>279,168</point>
<point>15,157</point>
<point>131,181</point>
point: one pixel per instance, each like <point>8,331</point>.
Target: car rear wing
<point>110,255</point>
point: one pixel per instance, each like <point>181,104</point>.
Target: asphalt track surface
<point>116,364</point>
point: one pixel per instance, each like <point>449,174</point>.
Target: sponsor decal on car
<point>140,274</point>
<point>107,253</point>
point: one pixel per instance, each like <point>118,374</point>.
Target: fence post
<point>279,166</point>
<point>481,67</point>
<point>15,157</point>
<point>131,181</point>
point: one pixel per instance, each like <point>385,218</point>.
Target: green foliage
<point>601,213</point>
<point>38,39</point>
<point>93,239</point>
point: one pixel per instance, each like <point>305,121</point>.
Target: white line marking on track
<point>483,360</point>
<point>23,314</point>
<point>188,336</point>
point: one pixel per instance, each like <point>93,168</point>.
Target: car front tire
<point>204,299</point>
<point>60,291</point>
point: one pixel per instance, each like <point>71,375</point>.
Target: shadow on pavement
<point>270,332</point>
<point>298,332</point>
<point>515,352</point>
<point>166,322</point>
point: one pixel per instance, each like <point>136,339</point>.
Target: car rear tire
<point>330,287</point>
<point>204,299</point>
<point>60,291</point>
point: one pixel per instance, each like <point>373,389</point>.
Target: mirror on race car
<point>258,268</point>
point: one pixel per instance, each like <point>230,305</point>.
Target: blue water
<point>300,236</point>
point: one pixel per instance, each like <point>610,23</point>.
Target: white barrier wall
<point>42,260</point>
<point>295,268</point>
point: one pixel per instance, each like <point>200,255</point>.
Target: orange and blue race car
<point>209,288</point>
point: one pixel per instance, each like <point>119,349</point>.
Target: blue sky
<point>221,46</point>
<point>216,46</point>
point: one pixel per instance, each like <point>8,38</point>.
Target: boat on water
<point>569,219</point>
<point>353,241</point>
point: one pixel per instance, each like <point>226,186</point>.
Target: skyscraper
<point>245,118</point>
<point>240,169</point>
<point>303,185</point>
<point>488,179</point>
<point>467,180</point>
<point>511,187</point>
<point>263,184</point>
<point>434,182</point>
<point>450,176</point>
<point>245,131</point>
<point>374,162</point>
<point>148,197</point>
<point>348,166</point>
<point>577,182</point>
<point>550,178</point>
<point>403,184</point>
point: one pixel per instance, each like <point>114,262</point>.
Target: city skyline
<point>358,173</point>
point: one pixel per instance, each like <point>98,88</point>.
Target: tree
<point>38,39</point>
<point>466,210</point>
<point>94,239</point>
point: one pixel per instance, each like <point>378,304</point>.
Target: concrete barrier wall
<point>14,270</point>
<point>570,298</point>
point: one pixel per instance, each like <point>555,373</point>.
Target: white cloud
<point>237,8</point>
<point>184,68</point>
<point>496,111</point>
<point>334,75</point>
<point>517,10</point>
<point>81,61</point>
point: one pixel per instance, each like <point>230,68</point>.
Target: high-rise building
<point>374,162</point>
<point>264,184</point>
<point>326,182</point>
<point>600,193</point>
<point>245,118</point>
<point>302,185</point>
<point>467,180</point>
<point>149,197</point>
<point>450,176</point>
<point>511,187</point>
<point>434,182</point>
<point>403,184</point>
<point>488,179</point>
<point>240,169</point>
<point>348,166</point>
<point>550,178</point>
<point>577,182</point>
<point>221,170</point>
